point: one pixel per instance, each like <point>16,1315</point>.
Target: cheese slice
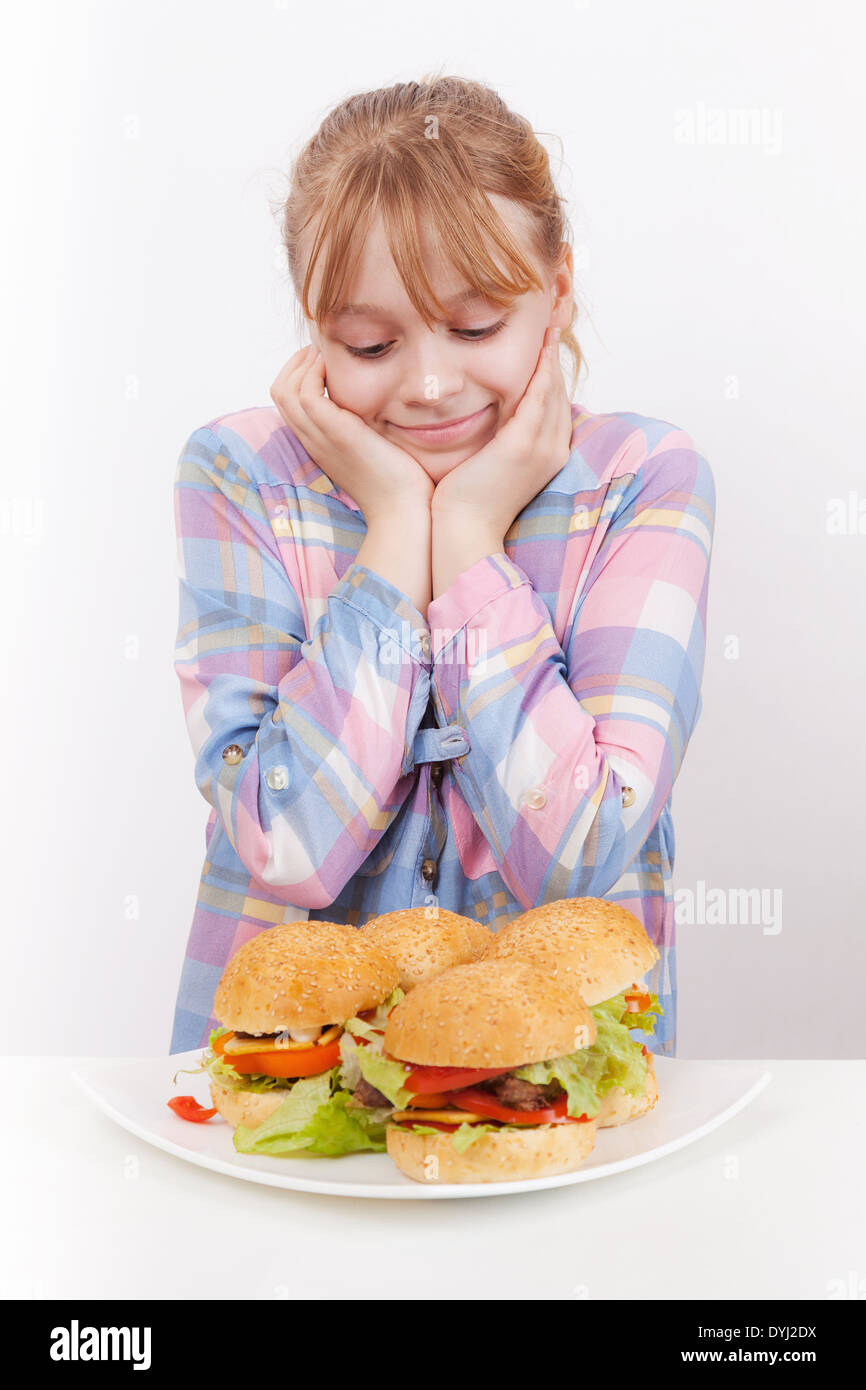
<point>277,1042</point>
<point>448,1117</point>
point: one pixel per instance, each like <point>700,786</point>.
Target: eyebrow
<point>350,310</point>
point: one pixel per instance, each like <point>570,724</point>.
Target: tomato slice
<point>424,1079</point>
<point>188,1108</point>
<point>473,1098</point>
<point>429,1100</point>
<point>308,1061</point>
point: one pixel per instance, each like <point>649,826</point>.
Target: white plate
<point>694,1098</point>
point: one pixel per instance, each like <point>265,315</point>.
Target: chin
<point>438,467</point>
<point>437,463</point>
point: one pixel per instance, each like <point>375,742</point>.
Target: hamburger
<point>484,1066</point>
<point>274,1066</point>
<point>601,951</point>
<point>424,941</point>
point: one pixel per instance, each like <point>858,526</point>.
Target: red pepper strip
<point>188,1108</point>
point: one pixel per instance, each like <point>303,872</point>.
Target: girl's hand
<point>380,476</point>
<point>493,486</point>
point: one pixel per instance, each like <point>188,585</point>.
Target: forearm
<point>457,543</point>
<point>398,548</point>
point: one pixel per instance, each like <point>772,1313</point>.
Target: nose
<point>430,373</point>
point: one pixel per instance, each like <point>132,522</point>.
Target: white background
<point>721,289</point>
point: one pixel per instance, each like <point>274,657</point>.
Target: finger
<point>320,409</point>
<point>554,427</point>
<point>311,384</point>
<point>288,383</point>
<point>284,391</point>
<point>290,369</point>
<point>544,377</point>
<point>532,408</point>
<point>550,351</point>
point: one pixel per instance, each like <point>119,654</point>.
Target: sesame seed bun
<point>302,975</point>
<point>424,941</point>
<point>619,1106</point>
<point>596,946</point>
<point>504,1155</point>
<point>493,1013</point>
<point>248,1108</point>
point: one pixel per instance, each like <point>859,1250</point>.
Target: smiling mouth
<point>443,429</point>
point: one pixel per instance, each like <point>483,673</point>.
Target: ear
<point>562,289</point>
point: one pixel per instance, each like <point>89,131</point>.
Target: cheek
<point>508,369</point>
<point>353,386</point>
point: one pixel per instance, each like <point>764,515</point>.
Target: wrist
<point>467,533</point>
<point>414,517</point>
<point>457,545</point>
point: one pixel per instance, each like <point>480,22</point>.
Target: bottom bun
<point>248,1108</point>
<point>619,1106</point>
<point>504,1155</point>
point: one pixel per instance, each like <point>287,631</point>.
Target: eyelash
<point>483,334</point>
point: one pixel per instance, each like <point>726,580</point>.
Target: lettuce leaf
<point>624,1062</point>
<point>366,1027</point>
<point>464,1135</point>
<point>576,1073</point>
<point>311,1120</point>
<point>350,1067</point>
<point>614,1059</point>
<point>614,1011</point>
<point>646,1021</point>
<point>385,1074</point>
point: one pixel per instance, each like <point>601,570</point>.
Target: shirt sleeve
<point>303,746</point>
<point>573,753</point>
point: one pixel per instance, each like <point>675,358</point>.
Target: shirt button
<point>428,870</point>
<point>232,753</point>
<point>535,798</point>
<point>628,795</point>
<point>278,778</point>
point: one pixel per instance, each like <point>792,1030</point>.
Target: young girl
<point>441,632</point>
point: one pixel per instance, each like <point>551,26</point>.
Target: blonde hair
<point>420,152</point>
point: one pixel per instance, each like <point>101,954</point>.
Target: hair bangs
<point>415,201</point>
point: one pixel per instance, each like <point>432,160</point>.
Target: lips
<point>445,431</point>
<point>441,424</point>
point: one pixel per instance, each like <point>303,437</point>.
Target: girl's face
<point>384,364</point>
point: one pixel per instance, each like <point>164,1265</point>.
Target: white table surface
<point>770,1205</point>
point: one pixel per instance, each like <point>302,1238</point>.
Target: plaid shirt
<point>517,746</point>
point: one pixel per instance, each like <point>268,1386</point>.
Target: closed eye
<point>469,335</point>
